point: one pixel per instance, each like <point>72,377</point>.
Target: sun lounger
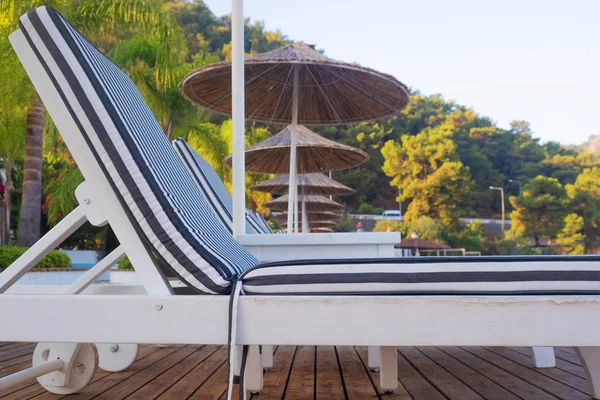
<point>135,182</point>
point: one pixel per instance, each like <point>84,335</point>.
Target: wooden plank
<point>215,387</point>
<point>533,377</point>
<point>356,380</point>
<point>510,382</point>
<point>416,385</point>
<point>26,358</point>
<point>470,377</point>
<point>109,380</point>
<point>136,381</point>
<point>559,375</point>
<point>567,349</point>
<point>329,381</point>
<point>197,377</point>
<point>443,381</point>
<point>560,363</point>
<point>302,378</point>
<point>18,351</point>
<point>399,394</point>
<point>567,356</point>
<point>163,382</point>
<point>275,381</point>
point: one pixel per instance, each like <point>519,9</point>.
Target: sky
<point>533,60</point>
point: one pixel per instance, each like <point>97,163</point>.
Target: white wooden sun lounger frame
<point>278,320</point>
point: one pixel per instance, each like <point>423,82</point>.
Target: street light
<point>519,183</point>
<point>502,200</point>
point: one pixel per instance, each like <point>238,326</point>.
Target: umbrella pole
<point>237,98</point>
<point>292,193</point>
<point>305,227</point>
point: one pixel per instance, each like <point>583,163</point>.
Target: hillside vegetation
<point>441,156</point>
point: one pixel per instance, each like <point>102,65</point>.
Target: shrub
<point>56,259</point>
<point>125,264</point>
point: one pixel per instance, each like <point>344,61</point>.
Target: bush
<point>125,264</point>
<point>56,259</point>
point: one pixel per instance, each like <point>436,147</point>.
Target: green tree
<point>570,239</point>
<point>540,210</point>
<point>427,169</point>
<point>584,200</point>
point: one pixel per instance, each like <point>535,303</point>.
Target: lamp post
<point>519,183</point>
<point>502,201</point>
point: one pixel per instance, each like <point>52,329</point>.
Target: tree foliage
<point>540,210</point>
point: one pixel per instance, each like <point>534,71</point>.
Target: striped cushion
<point>263,222</point>
<point>428,275</point>
<point>159,196</point>
<point>212,188</point>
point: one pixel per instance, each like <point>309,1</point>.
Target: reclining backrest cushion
<point>159,196</point>
<point>212,187</point>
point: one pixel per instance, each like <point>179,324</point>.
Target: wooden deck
<point>307,372</point>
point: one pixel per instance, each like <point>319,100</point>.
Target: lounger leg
<point>590,360</point>
<point>267,356</point>
<point>373,355</point>
<point>254,370</point>
<point>543,357</point>
<point>388,374</point>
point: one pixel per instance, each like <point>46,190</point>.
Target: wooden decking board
<point>550,386</point>
<point>136,381</point>
<point>323,373</point>
<point>554,373</point>
<point>201,376</point>
<point>171,376</point>
<point>329,380</point>
<point>356,381</point>
<point>440,378</point>
<point>399,394</point>
<point>571,368</point>
<point>416,384</point>
<point>567,356</point>
<point>510,382</point>
<point>478,382</point>
<point>275,381</point>
<point>301,384</point>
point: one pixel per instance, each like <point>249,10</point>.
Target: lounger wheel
<point>115,357</point>
<point>76,373</point>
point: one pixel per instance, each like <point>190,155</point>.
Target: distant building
<point>414,245</point>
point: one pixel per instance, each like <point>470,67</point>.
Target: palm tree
<point>99,19</point>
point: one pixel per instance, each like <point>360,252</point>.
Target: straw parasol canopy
<point>313,203</point>
<point>316,224</point>
<point>321,230</point>
<point>314,153</point>
<point>330,91</point>
<point>315,183</point>
<point>312,216</point>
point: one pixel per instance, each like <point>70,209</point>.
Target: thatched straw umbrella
<point>317,224</point>
<point>310,216</point>
<point>316,184</point>
<point>332,92</point>
<point>321,230</point>
<point>308,184</point>
<point>314,153</point>
<point>313,203</point>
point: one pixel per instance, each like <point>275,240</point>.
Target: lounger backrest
<point>153,186</point>
<point>212,188</point>
<point>263,223</point>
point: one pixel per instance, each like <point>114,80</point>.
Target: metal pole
<point>305,227</point>
<point>292,192</point>
<point>502,199</point>
<point>237,117</point>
